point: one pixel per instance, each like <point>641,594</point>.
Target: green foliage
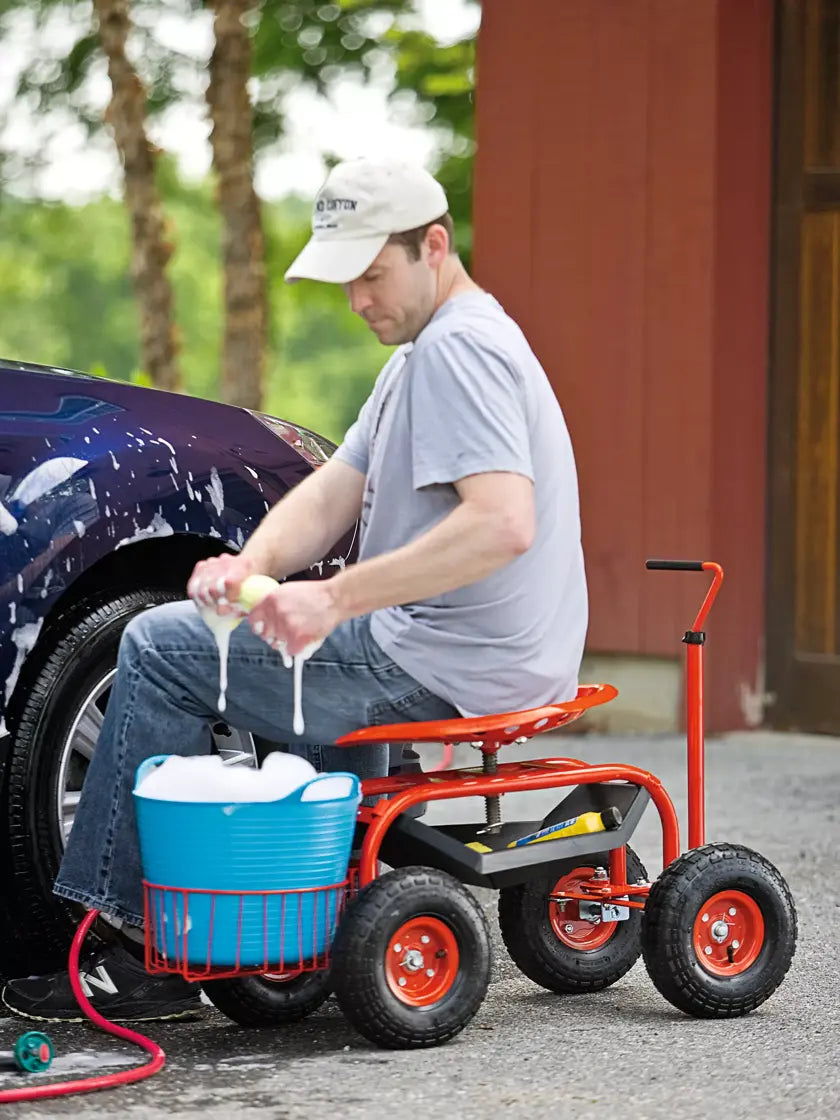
<point>66,296</point>
<point>65,287</point>
<point>294,41</point>
<point>314,41</point>
<point>442,78</point>
<point>309,42</point>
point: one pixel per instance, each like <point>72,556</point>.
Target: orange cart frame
<point>490,733</point>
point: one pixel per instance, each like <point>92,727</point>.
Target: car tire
<point>63,702</point>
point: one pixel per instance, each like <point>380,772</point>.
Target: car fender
<point>103,467</point>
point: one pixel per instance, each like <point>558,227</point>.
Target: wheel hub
<point>573,922</point>
<point>720,931</point>
<point>421,961</point>
<point>413,961</point>
<point>728,933</point>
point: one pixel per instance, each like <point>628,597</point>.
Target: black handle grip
<point>674,565</point>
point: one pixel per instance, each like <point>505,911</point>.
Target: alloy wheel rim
<point>79,744</point>
<point>77,751</point>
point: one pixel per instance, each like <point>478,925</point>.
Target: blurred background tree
<point>69,264</point>
<point>151,249</point>
<point>243,243</point>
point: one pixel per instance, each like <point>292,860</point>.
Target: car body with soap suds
<point>109,495</point>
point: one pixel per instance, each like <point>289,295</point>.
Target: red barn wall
<point>621,215</point>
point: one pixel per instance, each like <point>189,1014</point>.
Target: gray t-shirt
<point>469,396</point>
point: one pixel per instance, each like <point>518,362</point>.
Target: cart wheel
<point>553,946</point>
<point>719,931</point>
<point>269,1001</point>
<point>411,960</point>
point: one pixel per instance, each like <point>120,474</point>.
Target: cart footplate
<point>491,863</point>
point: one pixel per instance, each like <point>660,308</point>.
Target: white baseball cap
<point>357,209</point>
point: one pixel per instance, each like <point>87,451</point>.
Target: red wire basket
<point>203,934</point>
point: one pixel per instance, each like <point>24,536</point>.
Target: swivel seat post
<point>492,805</point>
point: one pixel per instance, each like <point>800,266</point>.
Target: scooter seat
<point>498,730</point>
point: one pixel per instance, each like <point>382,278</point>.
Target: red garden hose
<point>445,762</point>
<point>106,1081</point>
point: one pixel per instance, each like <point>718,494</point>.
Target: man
<point>469,596</point>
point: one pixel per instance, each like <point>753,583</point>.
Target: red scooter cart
<point>410,962</point>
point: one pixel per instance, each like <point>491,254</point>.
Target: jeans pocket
<point>412,706</point>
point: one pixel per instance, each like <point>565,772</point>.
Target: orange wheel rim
<point>728,933</point>
<point>421,961</point>
<point>566,921</point>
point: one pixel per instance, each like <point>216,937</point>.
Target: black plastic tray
<point>410,841</point>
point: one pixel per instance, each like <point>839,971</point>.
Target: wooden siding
<point>621,214</point>
<point>804,600</point>
<point>817,436</point>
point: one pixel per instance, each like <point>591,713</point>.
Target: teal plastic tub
<point>210,868</point>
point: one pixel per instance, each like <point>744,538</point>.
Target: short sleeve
<point>468,412</point>
<point>353,449</point>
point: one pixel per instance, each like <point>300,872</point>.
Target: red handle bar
<point>694,640</point>
<point>693,566</point>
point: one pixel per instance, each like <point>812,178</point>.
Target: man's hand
<point>216,582</point>
<point>296,614</point>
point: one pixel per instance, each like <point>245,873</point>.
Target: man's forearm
<point>464,547</point>
<point>296,532</point>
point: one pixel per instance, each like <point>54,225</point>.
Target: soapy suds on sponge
<point>253,591</point>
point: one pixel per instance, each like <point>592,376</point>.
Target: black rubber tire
<point>256,1001</point>
<point>35,926</point>
<point>676,899</point>
<point>537,951</point>
<point>358,960</point>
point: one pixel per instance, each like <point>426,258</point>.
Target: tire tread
<point>357,958</point>
<point>252,1001</point>
<point>547,961</point>
<point>37,927</point>
<point>669,908</point>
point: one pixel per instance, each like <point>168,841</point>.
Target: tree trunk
<point>243,248</point>
<point>150,248</point>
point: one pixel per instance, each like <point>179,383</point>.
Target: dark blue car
<point>109,495</point>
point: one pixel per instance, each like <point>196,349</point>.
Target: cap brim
<point>335,261</point>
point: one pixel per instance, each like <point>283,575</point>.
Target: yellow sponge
<point>254,589</point>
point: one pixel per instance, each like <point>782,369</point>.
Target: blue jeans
<point>164,699</point>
